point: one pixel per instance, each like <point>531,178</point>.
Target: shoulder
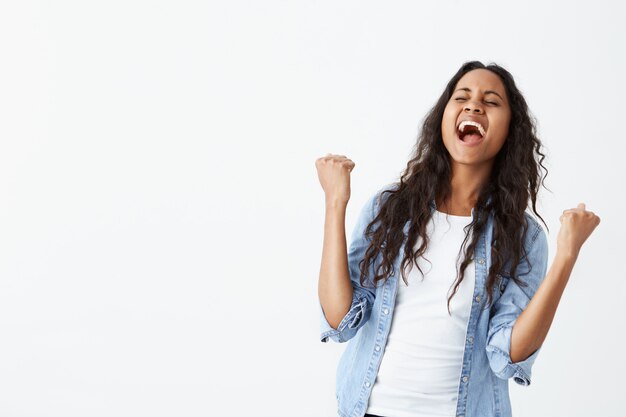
<point>534,228</point>
<point>535,242</point>
<point>534,250</point>
<point>382,194</point>
<point>535,234</point>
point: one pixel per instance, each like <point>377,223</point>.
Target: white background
<point>161,218</point>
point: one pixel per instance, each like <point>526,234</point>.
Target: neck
<point>466,183</point>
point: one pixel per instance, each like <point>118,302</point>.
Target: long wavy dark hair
<point>515,176</point>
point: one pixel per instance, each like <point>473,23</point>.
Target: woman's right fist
<point>333,172</point>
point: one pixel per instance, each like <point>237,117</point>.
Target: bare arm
<point>334,288</point>
<point>531,327</point>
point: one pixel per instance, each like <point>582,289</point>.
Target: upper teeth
<point>469,122</point>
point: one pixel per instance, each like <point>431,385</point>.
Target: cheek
<point>502,131</point>
<point>499,137</point>
<point>447,122</point>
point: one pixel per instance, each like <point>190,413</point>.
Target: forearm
<point>334,288</point>
<point>532,325</point>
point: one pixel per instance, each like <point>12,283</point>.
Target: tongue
<point>472,138</point>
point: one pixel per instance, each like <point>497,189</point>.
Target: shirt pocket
<point>498,289</point>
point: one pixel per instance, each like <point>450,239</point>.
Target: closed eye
<point>488,102</point>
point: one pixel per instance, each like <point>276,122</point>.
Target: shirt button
<point>481,261</point>
<point>478,298</point>
<point>470,339</point>
<point>367,384</point>
<point>386,311</point>
<point>377,347</point>
<point>465,378</point>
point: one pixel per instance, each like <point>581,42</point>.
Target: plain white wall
<point>161,218</point>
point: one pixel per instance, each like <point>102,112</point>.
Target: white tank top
<point>420,370</point>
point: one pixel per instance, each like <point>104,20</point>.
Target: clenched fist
<point>576,226</point>
<point>333,172</point>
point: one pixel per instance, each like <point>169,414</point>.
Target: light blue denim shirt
<point>487,365</point>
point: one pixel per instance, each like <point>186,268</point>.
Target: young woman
<point>444,341</point>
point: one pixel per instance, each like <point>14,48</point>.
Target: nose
<point>473,108</point>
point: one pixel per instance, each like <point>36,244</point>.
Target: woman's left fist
<point>576,226</point>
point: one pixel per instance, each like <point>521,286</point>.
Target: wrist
<point>336,204</point>
<point>566,255</point>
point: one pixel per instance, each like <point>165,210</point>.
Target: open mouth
<point>470,133</point>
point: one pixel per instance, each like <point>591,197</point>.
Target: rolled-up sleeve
<point>510,305</point>
<point>362,298</point>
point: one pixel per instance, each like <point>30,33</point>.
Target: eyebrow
<point>486,92</point>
